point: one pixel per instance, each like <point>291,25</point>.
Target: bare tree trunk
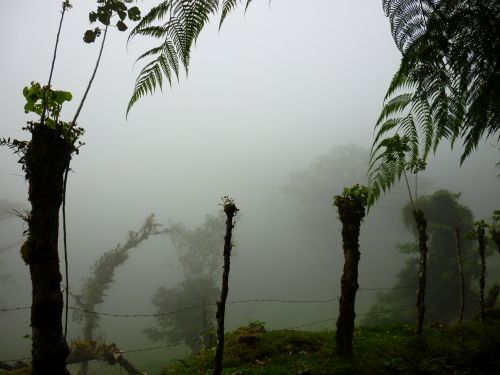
<point>351,213</point>
<point>230,210</point>
<point>481,240</point>
<point>461,275</point>
<point>206,334</point>
<point>422,267</point>
<point>46,158</point>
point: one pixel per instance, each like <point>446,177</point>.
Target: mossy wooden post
<point>46,159</point>
<point>421,222</point>
<point>230,210</point>
<point>351,207</point>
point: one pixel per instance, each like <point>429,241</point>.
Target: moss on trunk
<point>351,208</point>
<point>46,159</point>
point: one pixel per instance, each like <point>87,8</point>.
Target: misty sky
<point>265,95</point>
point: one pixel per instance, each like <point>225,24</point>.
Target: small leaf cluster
<point>105,12</point>
<point>351,203</point>
<point>45,101</point>
<point>357,193</point>
<point>19,147</point>
<point>47,104</point>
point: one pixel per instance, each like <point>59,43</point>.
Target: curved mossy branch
<point>82,351</point>
<point>94,287</point>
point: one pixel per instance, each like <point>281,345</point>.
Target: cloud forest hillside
<point>229,187</point>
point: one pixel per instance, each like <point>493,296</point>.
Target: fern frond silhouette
<point>177,24</point>
<point>447,85</point>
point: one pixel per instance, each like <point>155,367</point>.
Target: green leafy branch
<point>40,99</point>
<point>47,103</point>
<point>104,14</point>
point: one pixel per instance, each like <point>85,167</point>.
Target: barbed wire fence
<point>234,302</point>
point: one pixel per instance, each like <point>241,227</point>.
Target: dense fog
<point>277,111</point>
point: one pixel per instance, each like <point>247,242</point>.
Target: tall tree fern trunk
<point>422,267</point>
<point>46,158</point>
<point>230,210</point>
<point>351,213</point>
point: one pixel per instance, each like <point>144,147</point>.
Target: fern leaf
<point>146,83</point>
<point>156,13</point>
<point>227,7</point>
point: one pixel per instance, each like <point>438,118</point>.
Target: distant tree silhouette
<point>444,213</point>
<point>199,254</point>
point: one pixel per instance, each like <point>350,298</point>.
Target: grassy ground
<point>390,349</point>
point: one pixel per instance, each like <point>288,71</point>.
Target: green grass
<point>378,350</point>
<point>388,349</point>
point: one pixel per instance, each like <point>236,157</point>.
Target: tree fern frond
<point>147,81</point>
<point>423,117</point>
<point>151,52</point>
<point>179,25</point>
<point>446,87</point>
<point>400,81</point>
<point>153,31</point>
<point>248,3</point>
<point>227,6</point>
<point>170,54</point>
<point>394,106</point>
<point>408,19</point>
<point>410,133</point>
<point>156,13</point>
